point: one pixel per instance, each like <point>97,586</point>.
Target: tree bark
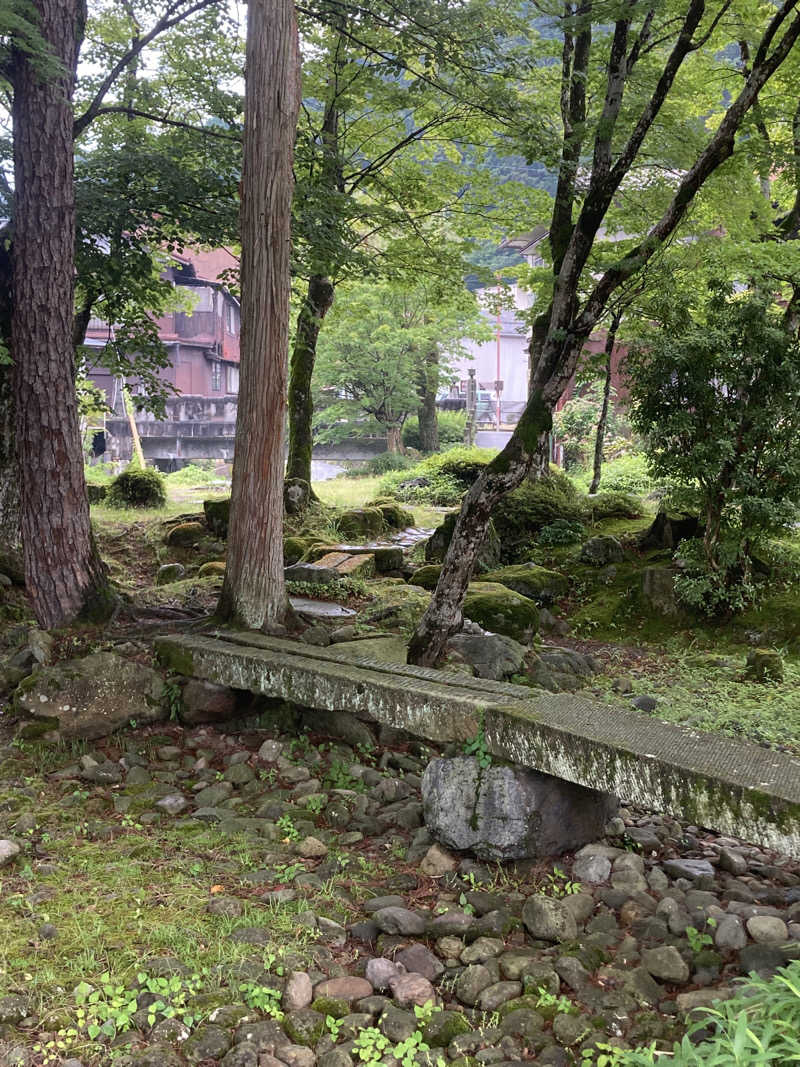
<point>254,592</point>
<point>600,436</point>
<point>426,412</point>
<point>11,562</point>
<point>394,438</point>
<point>317,303</point>
<point>63,572</point>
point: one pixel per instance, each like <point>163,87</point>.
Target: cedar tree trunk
<point>63,572</point>
<point>316,305</point>
<point>394,438</point>
<point>11,562</point>
<point>254,592</point>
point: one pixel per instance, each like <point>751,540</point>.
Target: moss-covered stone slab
<point>732,787</point>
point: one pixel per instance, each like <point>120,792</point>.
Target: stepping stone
<point>320,609</point>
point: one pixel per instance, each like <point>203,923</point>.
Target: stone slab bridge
<point>734,788</point>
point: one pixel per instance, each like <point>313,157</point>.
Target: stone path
<point>736,788</point>
<point>309,876</point>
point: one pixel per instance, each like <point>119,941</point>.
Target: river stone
<point>600,551</point>
<point>93,696</point>
<point>395,920</point>
<point>508,812</point>
<point>297,993</point>
<point>767,930</point>
<point>408,989</point>
<point>549,919</point>
<point>8,851</point>
<point>666,963</point>
<point>730,933</point>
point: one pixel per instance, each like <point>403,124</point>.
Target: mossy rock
<point>501,611</point>
<point>443,1027</point>
<point>426,576</point>
<point>336,1007</point>
<point>395,516</point>
<point>185,534</point>
<point>397,606</point>
<point>437,544</point>
<point>294,548</point>
<point>217,513</point>
<point>764,665</point>
<point>519,515</point>
<point>360,523</point>
<point>215,566</point>
<point>537,583</point>
<point>315,550</point>
<point>304,1027</point>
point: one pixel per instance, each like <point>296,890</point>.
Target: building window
<point>233,380</point>
<point>216,377</point>
<point>232,324</point>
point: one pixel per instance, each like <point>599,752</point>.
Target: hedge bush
<point>137,488</point>
<point>439,480</point>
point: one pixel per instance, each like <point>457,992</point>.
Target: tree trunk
<point>426,412</point>
<point>394,438</point>
<point>254,592</point>
<point>600,436</point>
<point>540,467</point>
<point>11,562</point>
<point>505,472</point>
<point>316,305</point>
<point>63,572</point>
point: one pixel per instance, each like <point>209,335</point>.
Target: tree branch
<point>171,17</point>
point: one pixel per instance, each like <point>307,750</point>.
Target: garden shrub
<point>615,505</point>
<point>439,480</point>
<point>627,474</point>
<point>519,515</point>
<point>385,462</point>
<point>137,488</point>
<point>451,430</point>
<point>559,533</point>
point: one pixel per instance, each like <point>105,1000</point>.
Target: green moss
<point>185,534</point>
<point>217,513</point>
<point>360,523</point>
<point>174,658</point>
<point>211,568</point>
<point>333,1006</point>
<point>426,577</point>
<point>531,581</point>
<point>502,611</point>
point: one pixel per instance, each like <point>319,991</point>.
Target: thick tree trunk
<point>254,592</point>
<point>600,435</point>
<point>63,572</point>
<point>11,562</point>
<point>426,412</point>
<point>316,305</point>
<point>394,438</point>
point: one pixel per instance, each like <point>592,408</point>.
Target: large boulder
<point>359,523</point>
<point>492,656</point>
<point>501,611</point>
<point>536,583</point>
<point>668,529</point>
<point>600,551</point>
<point>437,544</point>
<point>92,696</point>
<point>561,670</point>
<point>505,812</point>
<point>658,590</point>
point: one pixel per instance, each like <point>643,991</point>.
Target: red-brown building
<point>203,348</point>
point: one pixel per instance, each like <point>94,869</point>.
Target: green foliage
<point>451,430</point>
<point>137,488</point>
<point>440,479</point>
<point>373,354</point>
<point>199,473</point>
<point>575,426</point>
<point>560,532</point>
<point>385,462</point>
<point>758,1028</point>
<point>715,390</point>
<point>534,505</point>
<point>615,505</point>
<point>627,474</point>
